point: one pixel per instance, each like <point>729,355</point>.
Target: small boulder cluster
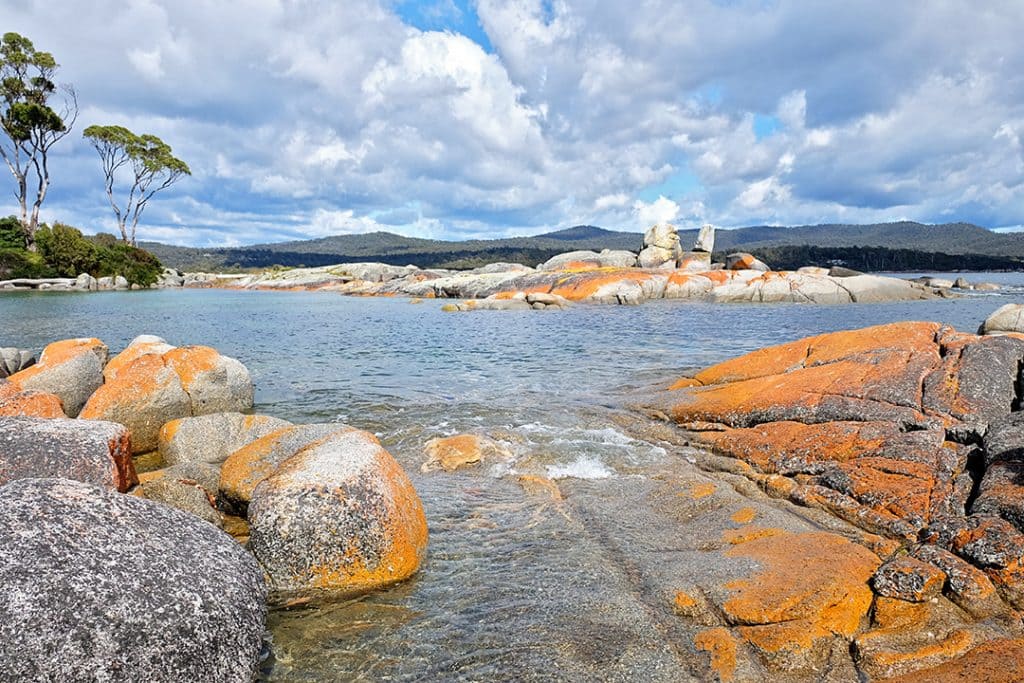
<point>119,477</point>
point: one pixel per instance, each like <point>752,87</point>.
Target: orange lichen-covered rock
<point>143,345</point>
<point>155,388</point>
<point>340,515</point>
<point>17,403</point>
<point>452,452</point>
<point>722,646</point>
<point>811,587</point>
<point>212,438</point>
<point>142,397</point>
<point>71,369</point>
<point>998,661</point>
<point>257,460</point>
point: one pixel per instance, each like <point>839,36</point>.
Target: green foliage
<point>66,251</point>
<point>137,266</point>
<point>11,234</point>
<point>153,167</point>
<point>16,263</point>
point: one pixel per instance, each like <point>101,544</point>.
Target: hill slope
<point>950,238</point>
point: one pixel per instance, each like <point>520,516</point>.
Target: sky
<point>458,119</point>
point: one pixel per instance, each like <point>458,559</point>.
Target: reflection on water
<point>523,580</point>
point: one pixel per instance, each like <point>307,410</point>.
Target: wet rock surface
<point>111,587</point>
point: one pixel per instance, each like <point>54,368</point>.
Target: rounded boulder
<point>104,586</point>
<point>340,515</point>
<point>212,438</point>
<point>72,369</point>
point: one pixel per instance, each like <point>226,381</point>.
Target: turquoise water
<point>516,586</point>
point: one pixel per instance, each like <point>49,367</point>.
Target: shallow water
<point>517,586</point>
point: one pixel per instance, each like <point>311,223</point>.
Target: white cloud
<point>303,117</point>
<point>661,210</point>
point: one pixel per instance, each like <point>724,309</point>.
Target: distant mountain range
<point>985,248</point>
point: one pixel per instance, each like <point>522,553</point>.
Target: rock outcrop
<point>661,247</point>
<point>92,452</point>
<point>339,515</point>
<point>105,586</point>
<point>911,433</point>
<point>71,369</point>
<point>151,386</point>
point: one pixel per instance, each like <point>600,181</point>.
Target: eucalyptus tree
<point>30,125</point>
<point>150,164</point>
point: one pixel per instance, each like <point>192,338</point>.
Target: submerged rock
<point>92,452</point>
<point>110,587</point>
<point>71,369</point>
<point>340,515</point>
<point>452,452</point>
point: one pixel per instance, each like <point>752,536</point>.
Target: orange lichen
<point>812,585</point>
<point>892,613</point>
<point>58,353</point>
<point>998,661</point>
<point>587,284</point>
<point>702,490</point>
<point>133,380</point>
<point>130,355</point>
<point>684,382</point>
<point>748,533</point>
<point>248,466</point>
<point>405,531</point>
<point>768,444</point>
<point>722,646</point>
<point>191,362</point>
<point>30,404</point>
<point>744,515</point>
<point>684,602</point>
<point>956,643</point>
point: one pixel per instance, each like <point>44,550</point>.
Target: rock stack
<point>699,260</point>
<point>661,247</point>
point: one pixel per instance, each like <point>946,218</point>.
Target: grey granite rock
<point>100,586</point>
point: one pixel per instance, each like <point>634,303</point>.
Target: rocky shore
<point>660,270</point>
<point>857,514</point>
<point>906,440</point>
<point>122,482</point>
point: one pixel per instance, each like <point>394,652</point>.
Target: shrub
<point>137,266</point>
<point>20,263</point>
<point>66,251</point>
<point>11,234</point>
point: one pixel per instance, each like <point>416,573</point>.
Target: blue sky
<point>487,118</point>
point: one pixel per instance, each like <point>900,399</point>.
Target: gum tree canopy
<point>31,127</point>
<point>151,164</point>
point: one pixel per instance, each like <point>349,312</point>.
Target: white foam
<point>582,467</point>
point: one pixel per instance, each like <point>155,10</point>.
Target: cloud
<point>661,210</point>
<point>492,118</point>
